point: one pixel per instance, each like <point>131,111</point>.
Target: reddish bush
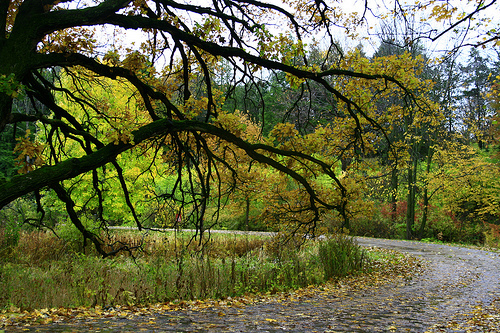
<point>399,214</point>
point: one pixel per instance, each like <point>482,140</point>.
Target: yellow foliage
<point>118,110</point>
<point>464,177</point>
<point>134,61</point>
<point>71,40</point>
<point>30,153</point>
<point>443,12</point>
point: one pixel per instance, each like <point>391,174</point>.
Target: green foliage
<point>445,226</point>
<point>442,224</point>
<point>7,162</point>
<point>71,236</point>
<point>235,219</point>
<point>340,256</point>
<point>10,86</point>
<point>9,236</point>
<point>375,225</point>
<point>18,211</point>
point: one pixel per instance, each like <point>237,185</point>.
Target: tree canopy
<point>92,99</point>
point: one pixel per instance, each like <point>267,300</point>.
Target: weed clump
<point>341,256</point>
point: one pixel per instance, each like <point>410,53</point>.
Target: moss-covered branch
<point>49,175</point>
<point>46,176</point>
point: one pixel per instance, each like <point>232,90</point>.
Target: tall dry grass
<point>45,271</point>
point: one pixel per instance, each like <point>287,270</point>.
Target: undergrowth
<point>42,271</point>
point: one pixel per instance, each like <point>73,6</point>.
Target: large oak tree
<point>41,40</point>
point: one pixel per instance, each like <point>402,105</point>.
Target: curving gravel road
<point>456,285</point>
<point>458,282</point>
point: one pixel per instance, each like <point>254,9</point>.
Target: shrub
<point>492,235</point>
<point>446,226</point>
<point>375,226</point>
<point>9,234</point>
<point>341,256</point>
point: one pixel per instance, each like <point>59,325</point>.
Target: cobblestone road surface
<point>457,282</point>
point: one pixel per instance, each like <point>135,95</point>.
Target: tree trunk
<point>394,192</point>
<point>247,212</point>
<point>410,208</point>
<point>424,214</point>
<point>5,109</point>
<point>426,197</point>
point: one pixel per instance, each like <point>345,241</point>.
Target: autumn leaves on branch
<point>163,102</point>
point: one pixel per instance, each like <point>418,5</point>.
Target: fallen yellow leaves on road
<point>382,272</point>
<point>481,319</point>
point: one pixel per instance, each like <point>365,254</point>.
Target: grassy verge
<point>44,272</point>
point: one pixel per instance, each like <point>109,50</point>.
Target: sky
<point>367,33</point>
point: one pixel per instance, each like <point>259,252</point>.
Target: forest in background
<point>299,136</point>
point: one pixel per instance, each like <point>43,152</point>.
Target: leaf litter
<point>399,267</point>
<point>396,296</point>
